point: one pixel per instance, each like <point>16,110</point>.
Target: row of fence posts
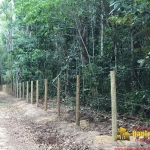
<point>19,93</point>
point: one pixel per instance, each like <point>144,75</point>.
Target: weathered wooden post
<point>27,90</point>
<point>78,101</point>
<point>45,102</point>
<point>23,90</point>
<point>58,96</point>
<point>37,93</point>
<point>17,89</point>
<point>1,88</point>
<point>7,88</point>
<point>10,88</point>
<point>31,92</point>
<point>20,90</point>
<point>14,91</point>
<point>4,88</point>
<point>113,105</point>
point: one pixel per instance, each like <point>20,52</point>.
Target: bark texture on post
<point>27,96</point>
<point>31,92</point>
<point>113,105</point>
<point>45,103</point>
<point>58,96</point>
<point>78,101</point>
<point>37,93</point>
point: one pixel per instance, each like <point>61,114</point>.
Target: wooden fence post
<point>10,88</point>
<point>37,93</point>
<point>15,85</point>
<point>27,96</point>
<point>13,92</point>
<point>58,96</point>
<point>113,105</point>
<point>45,103</point>
<point>3,87</point>
<point>23,90</point>
<point>78,101</point>
<point>7,88</point>
<point>20,90</point>
<point>31,92</point>
<point>17,89</point>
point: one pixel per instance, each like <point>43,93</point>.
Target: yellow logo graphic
<point>123,134</point>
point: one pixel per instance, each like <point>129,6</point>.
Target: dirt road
<point>25,127</point>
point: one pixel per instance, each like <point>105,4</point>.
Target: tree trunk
<point>131,63</point>
<point>115,53</point>
<point>102,28</point>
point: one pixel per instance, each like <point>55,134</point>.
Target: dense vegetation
<point>46,38</point>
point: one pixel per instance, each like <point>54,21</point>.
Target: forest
<point>44,39</point>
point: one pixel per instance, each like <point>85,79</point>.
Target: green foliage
<point>64,37</point>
